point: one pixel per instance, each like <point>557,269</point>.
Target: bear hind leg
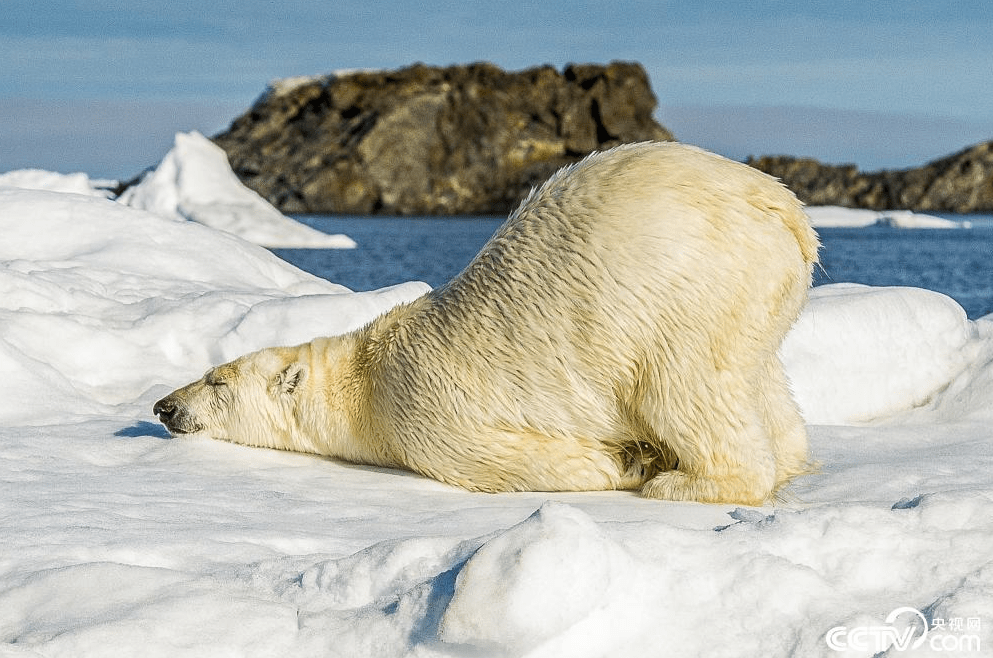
<point>785,425</point>
<point>679,485</point>
<point>746,482</point>
<point>725,456</point>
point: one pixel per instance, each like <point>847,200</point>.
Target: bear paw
<point>677,485</point>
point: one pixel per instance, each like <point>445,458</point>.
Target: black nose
<point>165,409</point>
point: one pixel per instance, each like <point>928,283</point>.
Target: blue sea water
<point>957,262</point>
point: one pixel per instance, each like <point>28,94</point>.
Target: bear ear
<point>291,377</point>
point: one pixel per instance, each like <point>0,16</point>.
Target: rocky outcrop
<point>960,183</point>
<point>425,140</point>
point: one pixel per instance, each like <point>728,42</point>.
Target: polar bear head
<point>253,400</point>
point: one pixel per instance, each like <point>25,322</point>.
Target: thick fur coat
<point>620,330</point>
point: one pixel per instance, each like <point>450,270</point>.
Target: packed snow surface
<point>195,182</point>
<point>119,541</point>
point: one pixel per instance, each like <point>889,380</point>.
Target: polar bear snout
<point>176,415</point>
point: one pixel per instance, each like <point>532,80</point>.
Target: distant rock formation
<point>434,141</point>
<point>959,183</point>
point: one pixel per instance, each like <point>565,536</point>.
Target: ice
<point>195,182</point>
<point>117,540</point>
<point>839,217</point>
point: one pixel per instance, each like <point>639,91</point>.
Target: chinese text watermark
<point>956,634</point>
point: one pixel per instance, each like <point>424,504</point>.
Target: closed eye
<point>220,391</point>
<point>213,379</point>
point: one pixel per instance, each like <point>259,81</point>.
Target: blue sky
<point>102,87</point>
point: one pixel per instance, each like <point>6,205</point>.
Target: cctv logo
<point>902,637</point>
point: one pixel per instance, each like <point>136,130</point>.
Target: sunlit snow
<point>116,540</point>
<point>39,179</point>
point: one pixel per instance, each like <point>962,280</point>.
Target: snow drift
<point>860,353</point>
<point>100,302</point>
<point>120,541</point>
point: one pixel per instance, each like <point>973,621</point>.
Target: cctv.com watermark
<point>908,628</point>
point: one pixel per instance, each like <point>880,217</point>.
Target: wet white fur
<point>620,330</point>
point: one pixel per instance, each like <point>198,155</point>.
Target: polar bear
<point>619,331</point>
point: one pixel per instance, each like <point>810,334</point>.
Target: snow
<point>39,179</point>
<point>117,540</point>
<point>164,298</point>
<point>843,353</point>
<point>838,217</point>
<point>532,597</point>
<point>194,182</point>
<point>283,86</point>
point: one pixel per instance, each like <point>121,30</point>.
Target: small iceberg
<point>195,182</point>
<point>839,217</point>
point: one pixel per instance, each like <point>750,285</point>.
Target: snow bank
<point>38,179</point>
<point>860,353</point>
<point>838,217</point>
<point>559,584</point>
<point>120,541</point>
<point>527,581</point>
<point>195,182</point>
<point>136,300</point>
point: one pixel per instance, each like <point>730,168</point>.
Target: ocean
<point>391,250</point>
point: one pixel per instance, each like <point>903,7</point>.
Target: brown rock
<point>961,183</point>
<point>425,140</point>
